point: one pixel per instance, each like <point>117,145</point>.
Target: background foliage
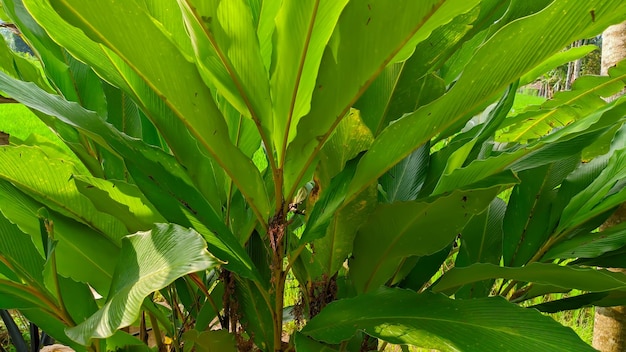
<point>367,150</point>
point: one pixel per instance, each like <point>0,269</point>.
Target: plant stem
<point>278,311</point>
<point>196,280</point>
<point>157,331</point>
<point>277,236</point>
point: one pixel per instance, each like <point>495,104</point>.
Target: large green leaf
<point>209,341</point>
<point>528,220</point>
<point>178,101</point>
<point>415,229</point>
<point>481,242</point>
<point>57,62</point>
<point>556,60</point>
<point>350,138</point>
<point>605,192</point>
<point>228,56</point>
<point>333,223</point>
<point>556,146</point>
<point>83,254</point>
<point>156,171</point>
<point>433,321</point>
<point>403,87</point>
<point>184,205</point>
<point>472,145</point>
<point>305,344</point>
<point>485,75</point>
<point>257,313</point>
<point>567,106</point>
<point>52,327</point>
<point>303,29</point>
<point>590,245</point>
<point>49,181</point>
<point>18,251</point>
<point>148,262</point>
<point>331,199</point>
<point>120,199</point>
<point>404,181</point>
<point>332,250</point>
<point>569,277</point>
<point>378,30</point>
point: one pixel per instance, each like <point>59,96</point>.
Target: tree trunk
<point>613,46</point>
<point>609,328</point>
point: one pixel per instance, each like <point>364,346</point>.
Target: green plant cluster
<point>217,147</point>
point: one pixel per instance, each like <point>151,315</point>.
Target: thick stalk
<point>276,234</point>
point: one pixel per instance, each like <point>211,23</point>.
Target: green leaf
<point>404,181</point>
<point>17,249</point>
<point>562,144</point>
<point>434,321</point>
<point>55,57</point>
<point>303,29</point>
<point>265,29</point>
<point>605,192</point>
<point>556,60</point>
<point>481,242</point>
<point>589,245</point>
<point>52,327</point>
<point>83,254</point>
<point>566,106</point>
<point>378,30</point>
<point>305,344</point>
<point>257,314</point>
<point>49,181</point>
<point>482,78</point>
<point>350,138</point>
<point>332,250</point>
<point>156,171</point>
<point>228,56</point>
<point>188,108</point>
<point>120,199</point>
<point>423,270</point>
<point>375,260</point>
<point>209,341</point>
<point>125,341</point>
<point>569,277</point>
<point>331,199</point>
<point>148,262</point>
<point>528,220</point>
<point>14,297</point>
<point>406,86</point>
<point>172,195</point>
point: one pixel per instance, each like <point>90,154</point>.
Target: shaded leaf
<point>481,242</point>
<point>414,229</point>
<point>148,262</point>
<point>485,75</point>
<point>378,30</point>
<point>566,106</point>
<point>589,245</point>
<point>82,253</point>
<point>528,221</point>
<point>569,277</point>
<point>434,321</point>
<point>49,181</point>
<point>605,192</point>
<point>209,341</point>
